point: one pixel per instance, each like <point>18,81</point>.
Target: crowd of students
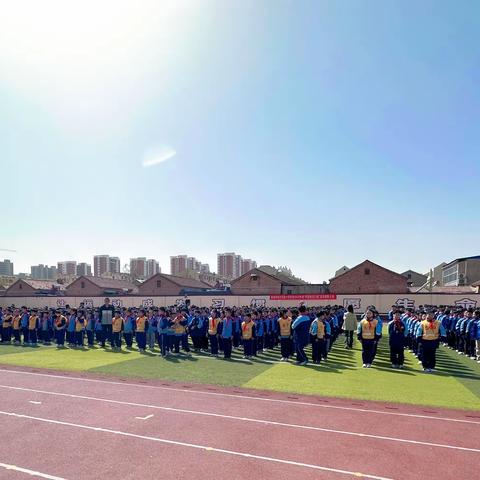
<point>252,329</point>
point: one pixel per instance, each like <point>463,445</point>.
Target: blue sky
<point>312,134</point>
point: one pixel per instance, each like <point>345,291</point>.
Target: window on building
<point>20,286</point>
<point>289,292</point>
<point>159,283</point>
<point>450,275</point>
<point>82,284</point>
<point>409,276</point>
<point>367,271</point>
<point>253,277</point>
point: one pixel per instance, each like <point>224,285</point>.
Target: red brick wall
<point>167,287</point>
<point>378,281</point>
<point>20,289</point>
<point>265,285</point>
<point>91,290</point>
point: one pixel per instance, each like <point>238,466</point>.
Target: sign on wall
<point>466,303</point>
<point>147,303</point>
<point>320,296</point>
<point>405,303</point>
<point>258,302</point>
<point>218,302</point>
<point>356,303</point>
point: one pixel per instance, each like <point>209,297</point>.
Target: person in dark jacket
<point>105,315</point>
<point>397,333</point>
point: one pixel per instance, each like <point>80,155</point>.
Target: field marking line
<point>243,397</point>
<point>33,473</point>
<point>242,419</point>
<point>139,418</point>
<point>196,446</point>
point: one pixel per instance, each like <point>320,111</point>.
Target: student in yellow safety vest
<point>369,331</point>
<point>319,330</point>
<point>248,334</point>
<point>117,328</point>
<point>33,325</point>
<point>428,333</point>
<point>213,323</point>
<point>285,334</point>
<point>7,326</point>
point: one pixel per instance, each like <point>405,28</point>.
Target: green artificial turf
<point>456,384</point>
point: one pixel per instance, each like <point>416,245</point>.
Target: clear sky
<point>312,134</point>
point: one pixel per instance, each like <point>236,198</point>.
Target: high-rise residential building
<point>178,264</point>
<point>69,267</point>
<point>105,264</point>
<point>43,272</point>
<point>114,265</point>
<point>246,265</point>
<point>204,268</point>
<point>153,267</point>
<point>6,268</point>
<point>138,267</point>
<point>84,269</point>
<point>228,265</point>
<point>101,265</point>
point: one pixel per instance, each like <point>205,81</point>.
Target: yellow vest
<point>141,324</point>
<point>178,328</point>
<point>7,321</point>
<point>285,324</point>
<point>247,330</point>
<point>320,329</point>
<point>213,325</point>
<point>79,326</point>
<point>60,322</point>
<point>16,322</point>
<point>368,329</point>
<point>430,330</point>
<point>32,322</point>
<point>117,324</point>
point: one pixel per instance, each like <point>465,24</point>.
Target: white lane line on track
<point>32,473</point>
<point>242,419</point>
<point>34,402</point>
<point>196,446</point>
<point>142,418</point>
<point>243,397</point>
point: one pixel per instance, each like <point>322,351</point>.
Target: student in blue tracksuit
<point>225,330</point>
<point>24,326</point>
<point>90,328</point>
<point>301,334</point>
<point>195,324</point>
<point>476,334</point>
<point>129,328</point>
<point>163,328</point>
<point>259,333</point>
<point>71,327</point>
<point>397,333</point>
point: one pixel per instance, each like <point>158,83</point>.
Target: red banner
<point>319,296</point>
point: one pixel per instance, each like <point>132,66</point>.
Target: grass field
<point>456,384</point>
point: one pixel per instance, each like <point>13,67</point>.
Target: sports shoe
<point>364,365</point>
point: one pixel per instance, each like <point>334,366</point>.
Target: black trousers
<point>429,348</point>
<point>397,357</point>
<point>368,351</point>
<point>286,347</point>
<point>349,338</point>
<point>107,334</point>
<point>227,347</point>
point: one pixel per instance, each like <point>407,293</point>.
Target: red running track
<point>77,427</point>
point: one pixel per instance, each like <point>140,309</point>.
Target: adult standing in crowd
<point>105,314</point>
<point>349,326</point>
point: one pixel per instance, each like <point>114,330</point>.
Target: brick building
<point>98,286</point>
<point>369,278</point>
<point>25,287</point>
<point>163,284</point>
<point>259,282</point>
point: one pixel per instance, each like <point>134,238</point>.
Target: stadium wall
<point>383,302</point>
